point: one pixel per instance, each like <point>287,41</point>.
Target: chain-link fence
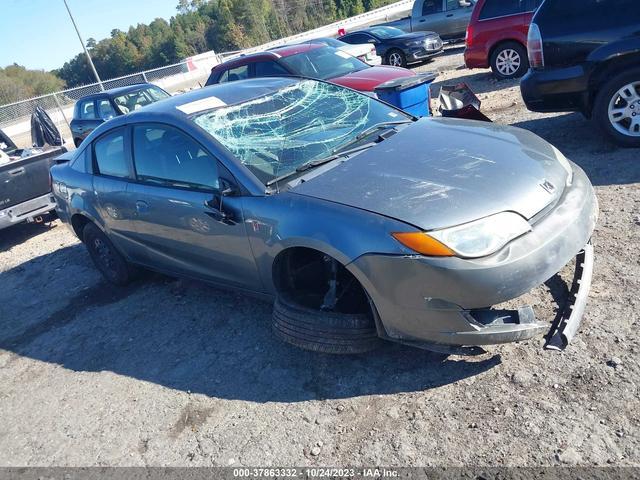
<point>15,118</point>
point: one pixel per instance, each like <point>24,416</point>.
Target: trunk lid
<point>368,79</point>
<point>438,173</point>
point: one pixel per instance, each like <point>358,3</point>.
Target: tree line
<point>198,26</point>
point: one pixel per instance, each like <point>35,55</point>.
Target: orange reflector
<point>422,243</point>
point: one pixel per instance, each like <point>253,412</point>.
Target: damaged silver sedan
<point>362,222</point>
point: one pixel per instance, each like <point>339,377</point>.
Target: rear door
<point>25,179</point>
<point>114,202</point>
<point>88,118</point>
<point>433,18</point>
<point>178,203</point>
<point>458,15</point>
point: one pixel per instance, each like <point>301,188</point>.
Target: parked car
<point>315,61</point>
<point>92,110</point>
<point>361,221</point>
<point>366,53</point>
<point>396,47</point>
<point>585,57</point>
<point>497,36</point>
<point>448,18</point>
<point>25,189</point>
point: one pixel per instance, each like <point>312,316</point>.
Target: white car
<point>364,52</point>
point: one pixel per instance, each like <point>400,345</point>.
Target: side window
<point>357,38</point>
<point>166,156</point>
<point>233,74</point>
<point>453,5</point>
<point>80,163</point>
<point>87,111</point>
<point>270,69</point>
<point>105,110</point>
<point>502,8</point>
<point>110,155</point>
<point>431,6</point>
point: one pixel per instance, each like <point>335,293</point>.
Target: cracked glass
<point>275,134</point>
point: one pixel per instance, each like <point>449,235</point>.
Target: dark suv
<point>92,110</point>
<point>585,57</point>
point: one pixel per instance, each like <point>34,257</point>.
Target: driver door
<point>179,205</point>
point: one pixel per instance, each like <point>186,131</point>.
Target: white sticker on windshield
<point>200,105</point>
<point>342,54</point>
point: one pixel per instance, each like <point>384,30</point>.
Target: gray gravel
<point>173,372</point>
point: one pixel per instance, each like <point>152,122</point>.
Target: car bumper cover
<point>27,211</point>
<point>556,90</point>
<point>446,300</point>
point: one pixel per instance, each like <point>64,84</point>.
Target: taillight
<point>535,49</point>
<point>469,35</point>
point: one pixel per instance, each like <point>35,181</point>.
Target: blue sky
<point>39,34</point>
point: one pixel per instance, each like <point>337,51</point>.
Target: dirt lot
<point>173,372</point>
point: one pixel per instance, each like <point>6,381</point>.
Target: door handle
<point>142,207</point>
<point>421,21</point>
<point>450,15</point>
<point>17,171</point>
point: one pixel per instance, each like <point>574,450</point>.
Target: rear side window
<point>110,155</point>
<point>431,6</point>
<point>165,156</point>
<point>81,161</point>
<point>86,110</point>
<point>269,69</point>
<point>105,110</point>
<point>606,9</point>
<point>356,38</point>
<point>502,8</point>
<point>234,74</point>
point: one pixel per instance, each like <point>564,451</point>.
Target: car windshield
<point>275,134</point>
<point>139,98</point>
<point>386,32</point>
<point>323,63</point>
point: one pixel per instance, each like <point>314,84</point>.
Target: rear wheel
<point>617,109</point>
<point>509,60</point>
<point>106,258</point>
<point>396,58</point>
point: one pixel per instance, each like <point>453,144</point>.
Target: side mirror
<point>465,3</point>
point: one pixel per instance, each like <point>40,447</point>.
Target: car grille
<point>433,44</point>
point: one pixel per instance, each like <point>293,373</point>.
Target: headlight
<point>471,240</point>
<point>565,164</point>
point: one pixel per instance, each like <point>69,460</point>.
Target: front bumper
<point>27,211</point>
<point>445,300</point>
<point>423,54</point>
<point>556,90</point>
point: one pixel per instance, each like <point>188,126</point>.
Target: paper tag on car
<point>342,54</point>
<point>201,105</point>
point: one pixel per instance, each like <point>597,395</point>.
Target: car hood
<point>407,37</point>
<point>437,173</point>
<point>368,79</point>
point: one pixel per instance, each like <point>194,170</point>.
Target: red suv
<point>497,36</point>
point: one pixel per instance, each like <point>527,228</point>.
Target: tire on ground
<point>400,53</point>
<point>520,50</point>
<point>600,111</point>
<point>117,271</point>
<point>322,331</point>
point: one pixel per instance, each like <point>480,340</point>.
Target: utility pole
<point>95,72</point>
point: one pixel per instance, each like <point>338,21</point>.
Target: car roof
<point>112,92</point>
<point>222,94</point>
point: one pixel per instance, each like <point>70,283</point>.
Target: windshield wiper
<point>368,131</point>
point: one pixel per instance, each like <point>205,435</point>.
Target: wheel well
<point>307,276</point>
<point>607,70</point>
<point>78,222</point>
<point>502,42</point>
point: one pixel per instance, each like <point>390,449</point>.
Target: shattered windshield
<point>275,134</point>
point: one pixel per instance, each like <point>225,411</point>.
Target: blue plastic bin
<point>409,94</point>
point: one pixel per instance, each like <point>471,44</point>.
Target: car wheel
<point>106,258</point>
<point>323,331</point>
<point>617,109</point>
<point>509,60</point>
<point>396,58</point>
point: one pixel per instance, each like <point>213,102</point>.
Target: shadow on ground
<point>17,234</point>
<point>581,141</point>
<point>188,336</point>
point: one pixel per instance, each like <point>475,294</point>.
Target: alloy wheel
<point>508,62</point>
<point>395,60</point>
<point>624,110</point>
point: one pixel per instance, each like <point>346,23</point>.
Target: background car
<point>397,48</point>
<point>365,52</point>
<point>92,110</point>
<point>585,57</point>
<point>497,36</point>
<point>314,61</point>
<point>448,18</point>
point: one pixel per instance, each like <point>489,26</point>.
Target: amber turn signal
<point>422,243</point>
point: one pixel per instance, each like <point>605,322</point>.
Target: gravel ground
<point>173,372</point>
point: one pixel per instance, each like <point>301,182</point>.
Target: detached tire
<point>320,331</point>
<point>616,108</point>
<point>106,258</point>
<point>509,60</point>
